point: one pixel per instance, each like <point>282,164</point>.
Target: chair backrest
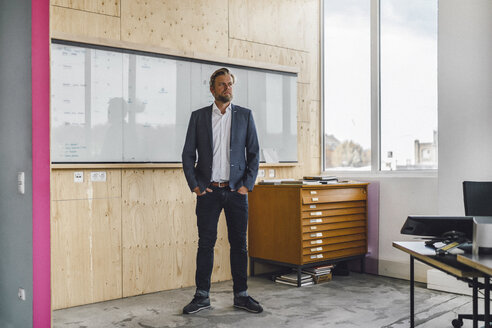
<point>477,198</point>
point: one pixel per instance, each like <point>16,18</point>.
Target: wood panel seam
<point>228,29</point>
<point>90,12</point>
<point>72,199</point>
<point>121,219</point>
<point>272,45</point>
<point>121,4</point>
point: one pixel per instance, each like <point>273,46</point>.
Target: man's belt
<point>220,184</point>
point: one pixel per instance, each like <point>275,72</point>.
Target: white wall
<point>465,98</point>
<point>401,196</point>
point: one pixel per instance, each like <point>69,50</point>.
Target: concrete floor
<point>358,300</point>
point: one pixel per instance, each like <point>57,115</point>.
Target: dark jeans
<point>208,208</point>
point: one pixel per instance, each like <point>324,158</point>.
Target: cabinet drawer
<point>332,247</point>
<point>334,233</point>
<point>334,254</point>
<point>341,211</point>
<point>328,223</point>
<point>330,219</point>
<point>334,240</point>
<point>333,195</point>
<point>332,226</point>
<point>330,206</point>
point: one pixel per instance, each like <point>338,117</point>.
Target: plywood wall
<point>85,239</point>
<point>159,233</point>
<point>153,208</point>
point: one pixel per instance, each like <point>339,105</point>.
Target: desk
<point>482,263</point>
<point>448,264</point>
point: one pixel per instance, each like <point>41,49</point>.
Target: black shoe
<point>247,303</point>
<point>197,304</point>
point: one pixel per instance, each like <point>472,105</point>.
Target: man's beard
<point>224,98</point>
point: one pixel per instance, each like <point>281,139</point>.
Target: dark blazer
<point>245,150</point>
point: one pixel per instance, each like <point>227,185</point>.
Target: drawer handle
<point>316,213</point>
<point>314,242</point>
<point>316,249</point>
<point>314,199</point>
<point>314,227</point>
<point>312,206</point>
<point>314,192</point>
<point>316,221</point>
<point>317,256</point>
<point>318,234</point>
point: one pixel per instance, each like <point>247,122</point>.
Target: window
<point>404,78</point>
<point>347,84</point>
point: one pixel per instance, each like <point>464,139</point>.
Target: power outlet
<point>98,176</point>
<point>261,173</point>
<point>21,294</point>
<point>271,173</point>
<point>21,186</point>
<point>78,177</point>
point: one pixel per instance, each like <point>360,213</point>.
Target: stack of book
<point>319,179</point>
<point>278,181</point>
<point>306,180</point>
<point>320,273</point>
<point>291,279</point>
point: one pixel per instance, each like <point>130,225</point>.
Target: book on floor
<point>290,283</point>
<point>319,273</point>
<point>322,278</point>
<point>293,276</point>
<point>318,269</point>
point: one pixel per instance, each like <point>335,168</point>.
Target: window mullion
<point>375,87</point>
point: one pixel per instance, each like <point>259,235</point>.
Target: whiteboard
<point>117,106</point>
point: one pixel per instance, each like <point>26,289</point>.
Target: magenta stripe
<point>41,163</point>
<point>373,228</point>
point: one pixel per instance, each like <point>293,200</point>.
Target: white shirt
<point>221,131</point>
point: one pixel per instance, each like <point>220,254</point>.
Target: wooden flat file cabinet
<point>305,224</point>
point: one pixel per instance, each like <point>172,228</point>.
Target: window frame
<point>375,51</point>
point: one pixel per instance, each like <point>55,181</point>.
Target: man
<point>224,136</point>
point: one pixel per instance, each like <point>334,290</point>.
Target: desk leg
<point>475,302</point>
<point>412,301</point>
<point>487,301</point>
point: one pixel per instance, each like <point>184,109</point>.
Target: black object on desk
<point>451,231</point>
<point>438,226</point>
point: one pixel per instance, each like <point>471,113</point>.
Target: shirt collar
<point>217,110</point>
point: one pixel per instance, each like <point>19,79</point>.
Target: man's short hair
<point>219,72</point>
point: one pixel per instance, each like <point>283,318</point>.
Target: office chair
<point>477,196</point>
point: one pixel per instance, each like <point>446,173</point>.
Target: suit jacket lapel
<point>208,122</point>
<point>233,123</point>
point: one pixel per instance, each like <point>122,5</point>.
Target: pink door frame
<point>40,41</point>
